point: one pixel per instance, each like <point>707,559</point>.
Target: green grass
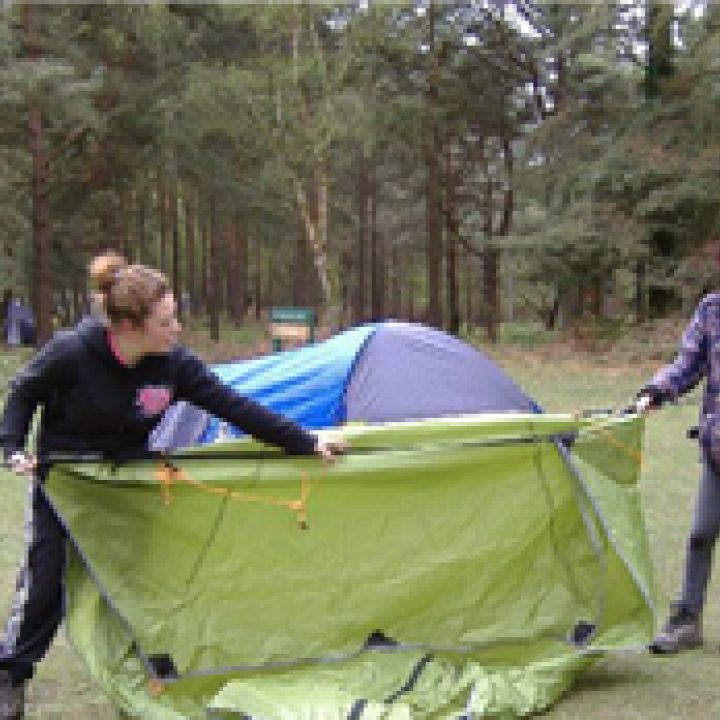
<point>622,687</point>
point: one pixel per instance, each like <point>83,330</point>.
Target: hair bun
<point>104,270</point>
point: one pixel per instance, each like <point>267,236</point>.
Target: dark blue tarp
<point>19,327</point>
<point>374,373</point>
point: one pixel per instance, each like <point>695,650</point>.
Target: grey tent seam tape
<point>144,657</point>
<point>359,706</point>
<point>350,656</point>
<point>470,702</point>
<point>578,486</point>
<point>644,590</point>
<point>208,543</point>
<point>594,539</point>
<point>277,664</point>
<point>361,351</point>
<point>357,709</point>
<point>626,650</point>
<point>412,680</point>
<point>572,583</point>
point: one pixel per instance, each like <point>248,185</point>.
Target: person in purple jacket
<point>103,386</point>
<point>698,358</point>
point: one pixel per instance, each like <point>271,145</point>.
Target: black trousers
<point>701,543</point>
<point>38,606</point>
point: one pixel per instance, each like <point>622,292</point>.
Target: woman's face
<point>161,327</point>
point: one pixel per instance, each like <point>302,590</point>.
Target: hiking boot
<point>682,631</point>
<point>12,698</point>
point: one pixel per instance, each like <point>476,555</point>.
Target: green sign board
<point>291,323</point>
<point>293,315</point>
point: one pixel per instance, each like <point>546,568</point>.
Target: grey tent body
<point>375,373</point>
<point>411,371</point>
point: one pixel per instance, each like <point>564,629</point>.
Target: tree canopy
<point>458,163</point>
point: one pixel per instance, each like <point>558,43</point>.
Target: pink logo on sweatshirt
<point>153,400</point>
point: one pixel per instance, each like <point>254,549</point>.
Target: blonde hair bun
<point>124,291</point>
<point>104,270</point>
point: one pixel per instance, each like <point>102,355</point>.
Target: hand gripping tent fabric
<point>454,567</point>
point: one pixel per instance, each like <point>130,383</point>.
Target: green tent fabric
<point>441,568</point>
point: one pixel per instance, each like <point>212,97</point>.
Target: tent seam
<point>351,371</point>
<point>567,566</point>
<point>589,527</point>
<point>145,658</point>
<point>642,587</point>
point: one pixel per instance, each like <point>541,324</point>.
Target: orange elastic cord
<point>301,506</point>
<point>168,475</point>
<point>156,687</point>
<point>630,452</point>
<point>165,475</point>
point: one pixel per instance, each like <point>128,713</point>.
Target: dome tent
<point>380,372</point>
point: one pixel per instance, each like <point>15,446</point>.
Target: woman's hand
<point>21,463</point>
<point>649,398</point>
<point>328,449</point>
<point>644,404</point>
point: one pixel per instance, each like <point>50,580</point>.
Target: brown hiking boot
<point>682,631</point>
<point>12,698</point>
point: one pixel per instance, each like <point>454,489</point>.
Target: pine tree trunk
<point>361,243</point>
<point>214,252</point>
<point>162,215</point>
<point>659,65</point>
<point>509,195</point>
<point>467,263</point>
<point>346,288</point>
<point>596,304</point>
<point>175,243</point>
<point>640,292</point>
<point>314,214</point>
<point>490,292</point>
<point>451,248</point>
<point>125,211</point>
<point>299,273</point>
<point>396,291</point>
<point>205,249</point>
<point>489,260</point>
<point>272,258</point>
<point>432,199</point>
<point>190,251</point>
<point>258,266</point>
<point>141,230</point>
<point>230,269</point>
<point>377,281</point>
<point>78,287</point>
<point>411,299</point>
<point>320,249</point>
<point>242,260</point>
<point>42,281</point>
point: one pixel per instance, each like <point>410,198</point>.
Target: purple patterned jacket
<point>699,357</point>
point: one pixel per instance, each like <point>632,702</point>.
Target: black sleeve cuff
<point>8,452</point>
<point>657,396</point>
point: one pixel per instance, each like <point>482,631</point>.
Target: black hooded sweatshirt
<point>94,403</point>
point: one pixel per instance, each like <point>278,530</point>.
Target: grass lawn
<point>621,687</point>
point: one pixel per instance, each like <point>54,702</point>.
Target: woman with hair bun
<point>104,385</point>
